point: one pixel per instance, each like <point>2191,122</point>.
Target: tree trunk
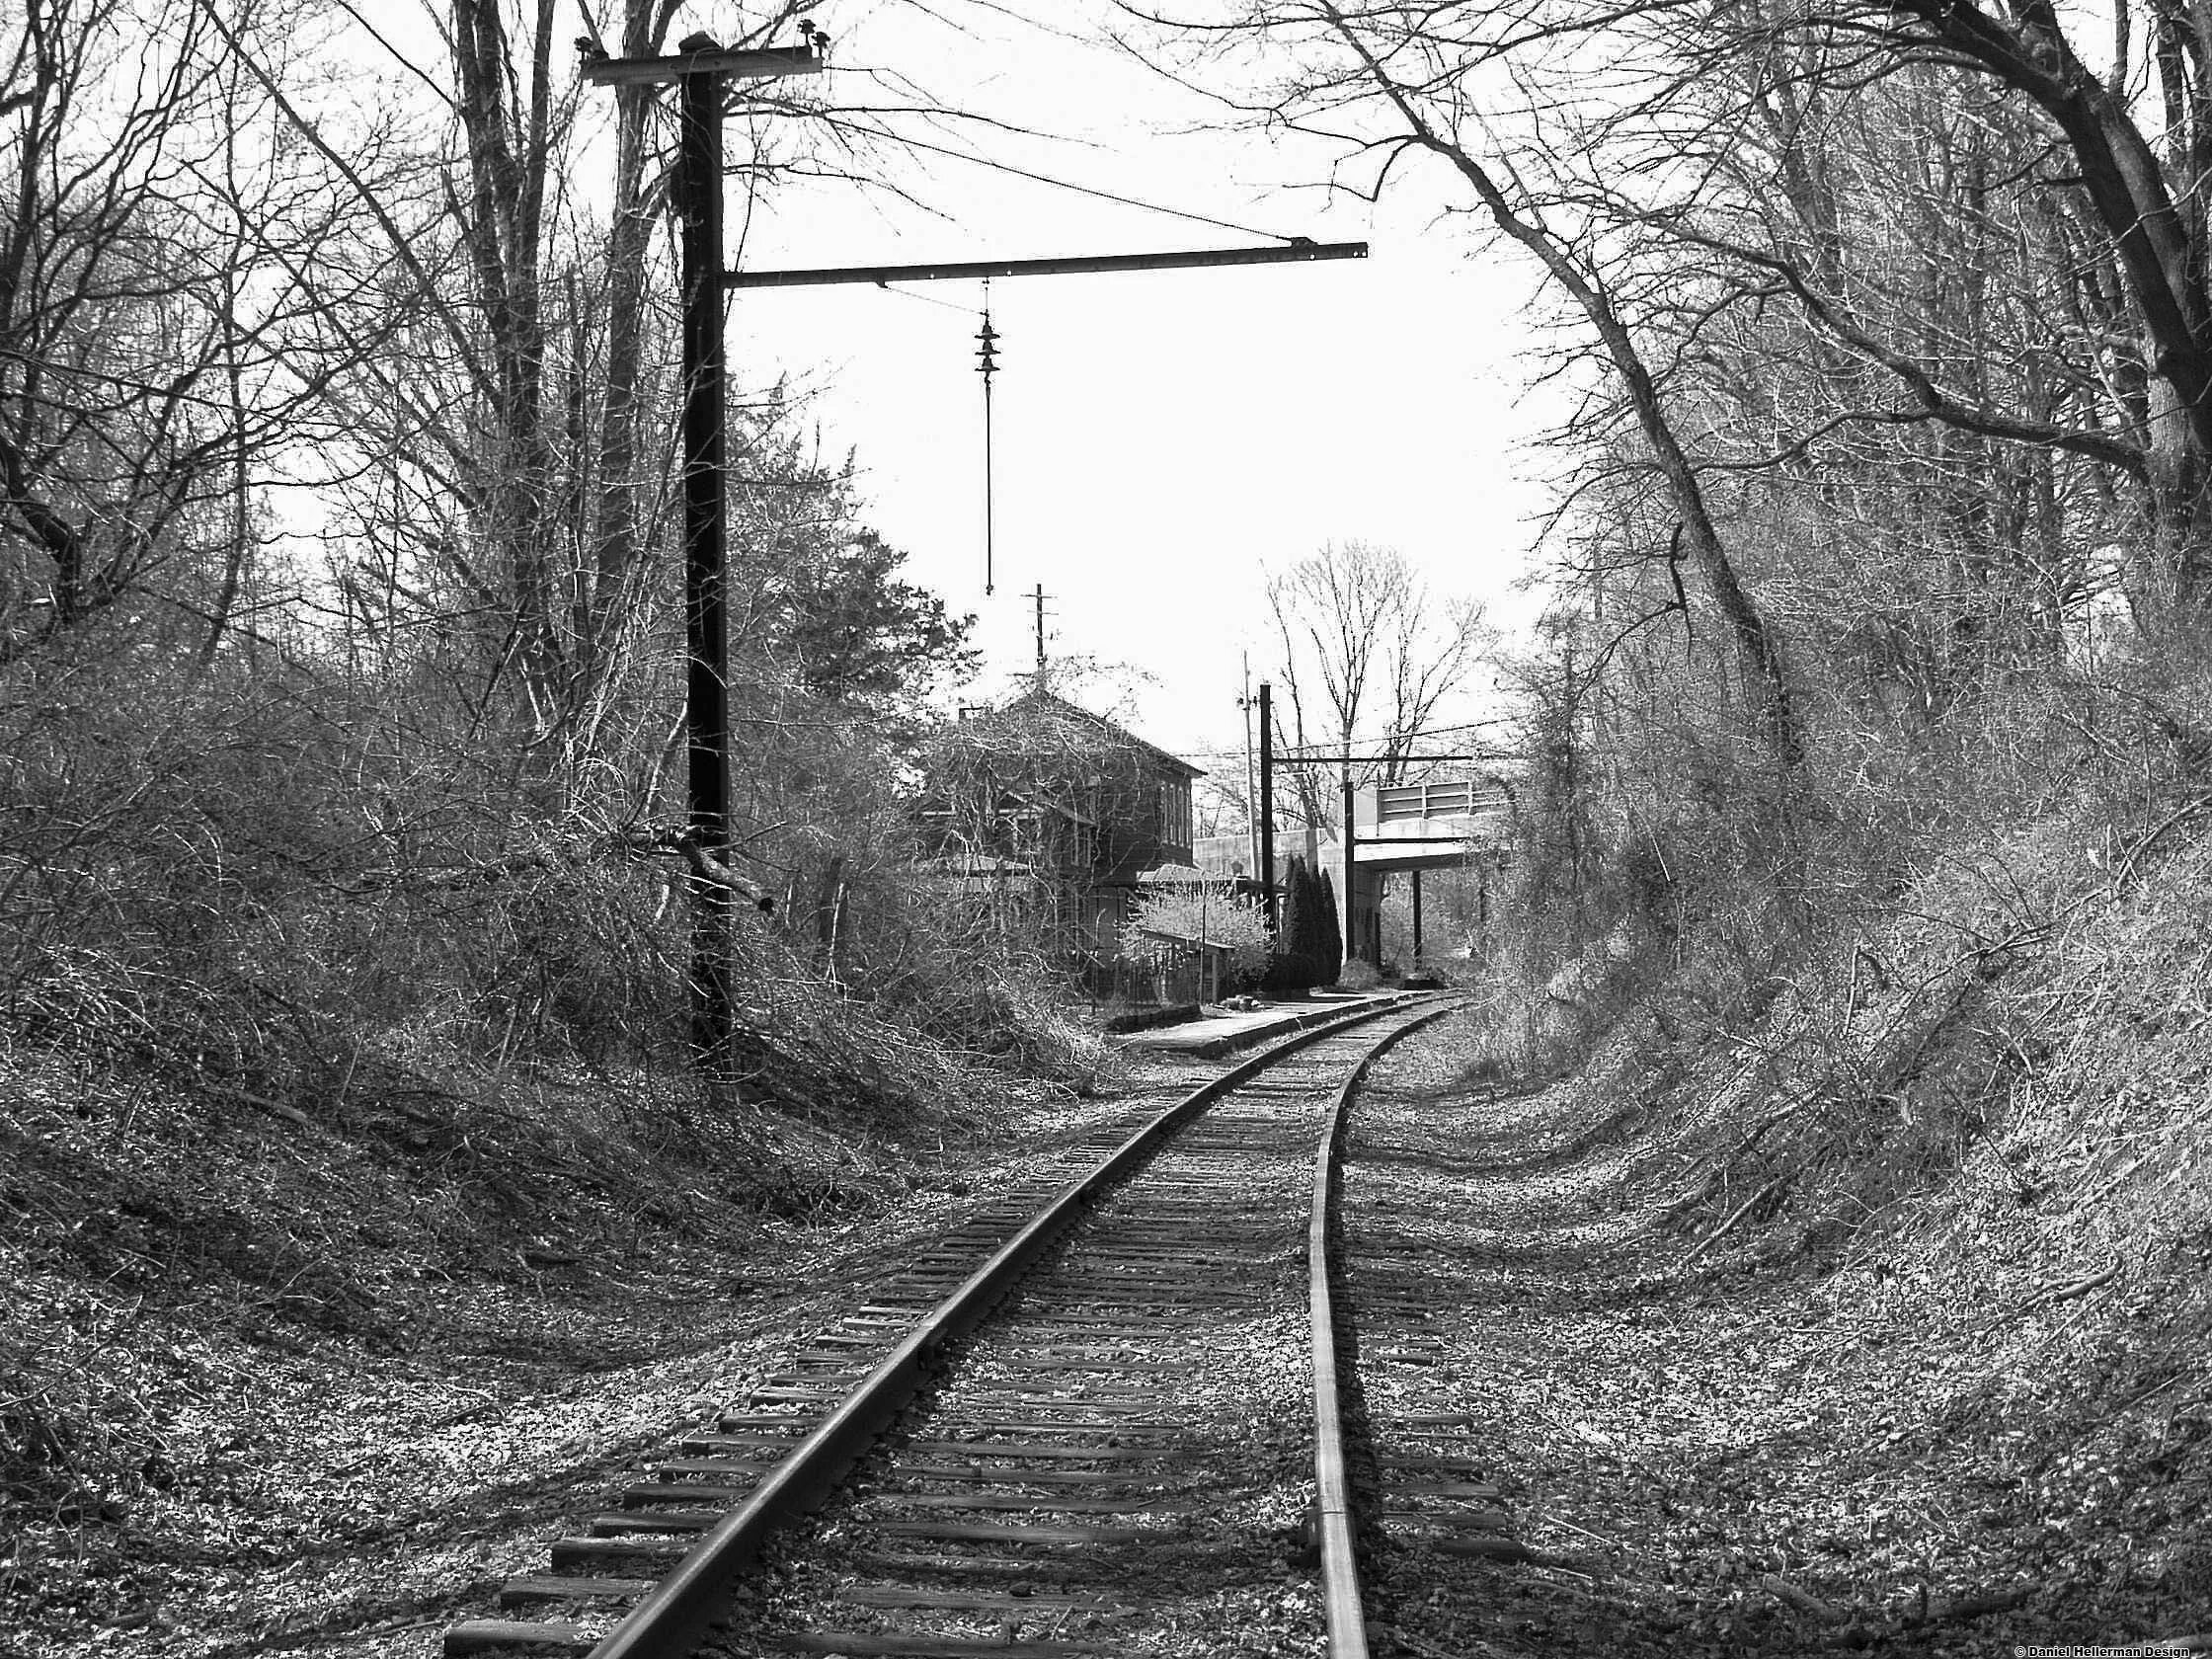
<point>1752,638</point>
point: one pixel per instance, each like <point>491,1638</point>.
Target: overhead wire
<point>929,299</point>
<point>1088,189</point>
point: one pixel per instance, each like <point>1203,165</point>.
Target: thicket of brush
<point>1950,957</point>
<point>268,876</point>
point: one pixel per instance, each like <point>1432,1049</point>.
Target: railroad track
<point>1096,1413</point>
<point>1457,1553</point>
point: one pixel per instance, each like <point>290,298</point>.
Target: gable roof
<point>1046,702</point>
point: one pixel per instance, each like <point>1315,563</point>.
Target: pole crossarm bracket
<point>764,63</point>
<point>1085,265</point>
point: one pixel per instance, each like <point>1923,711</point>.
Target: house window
<point>1175,813</point>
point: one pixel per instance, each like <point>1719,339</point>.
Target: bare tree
<point>159,353</point>
<point>2145,198</point>
<point>1389,83</point>
<point>1363,640</point>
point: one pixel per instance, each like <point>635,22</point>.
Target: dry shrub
<point>971,979</point>
<point>2114,1104</point>
<point>2029,1022</point>
<point>289,869</point>
<point>75,1432</point>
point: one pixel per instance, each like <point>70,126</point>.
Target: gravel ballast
<point>1130,1444</point>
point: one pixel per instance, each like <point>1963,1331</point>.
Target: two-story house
<point>1043,799</point>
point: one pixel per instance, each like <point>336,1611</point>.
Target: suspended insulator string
<point>987,367</point>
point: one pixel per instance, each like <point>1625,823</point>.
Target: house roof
<point>1046,701</point>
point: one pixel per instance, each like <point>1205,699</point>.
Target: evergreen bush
<point>1303,955</point>
<point>1328,936</point>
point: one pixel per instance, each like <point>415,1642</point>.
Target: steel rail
<point>694,1594</point>
<point>1341,1603</point>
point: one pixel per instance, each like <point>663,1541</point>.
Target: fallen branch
<point>1490,1547</point>
<point>259,1102</point>
<point>1742,1209</point>
<point>1595,1537</point>
<point>1689,1200</point>
<point>1979,1604</point>
<point>1781,1115</point>
<point>2050,1296</point>
<point>709,868</point>
<point>2078,1286</point>
<point>703,864</point>
<point>1803,1601</point>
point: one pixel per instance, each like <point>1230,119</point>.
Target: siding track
<point>1120,1460</point>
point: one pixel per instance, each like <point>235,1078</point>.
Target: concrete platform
<point>1216,1034</point>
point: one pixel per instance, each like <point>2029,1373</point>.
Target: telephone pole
<point>1039,597</point>
<point>1251,806</point>
<point>1267,801</point>
<point>701,69</point>
<point>1351,841</point>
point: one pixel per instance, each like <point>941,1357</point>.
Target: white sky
<point>1161,439</point>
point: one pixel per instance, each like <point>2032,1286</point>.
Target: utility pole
<point>1251,806</point>
<point>1351,840</point>
<point>1039,597</point>
<point>1266,802</point>
<point>701,68</point>
<point>698,194</point>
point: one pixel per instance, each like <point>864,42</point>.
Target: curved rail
<point>1341,1603</point>
<point>695,1592</point>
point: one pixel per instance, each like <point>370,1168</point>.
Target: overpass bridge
<point>1397,828</point>
<point>1421,825</point>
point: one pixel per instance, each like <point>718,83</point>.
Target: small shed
<point>1184,969</point>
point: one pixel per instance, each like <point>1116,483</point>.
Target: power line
<point>929,299</point>
<point>1084,190</point>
